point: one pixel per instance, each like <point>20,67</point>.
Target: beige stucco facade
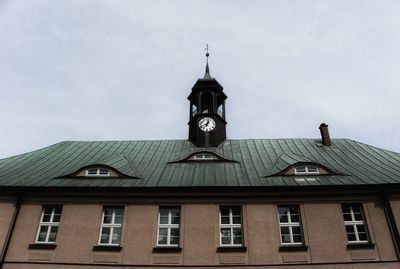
<point>79,230</point>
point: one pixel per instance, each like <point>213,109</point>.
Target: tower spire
<point>207,73</point>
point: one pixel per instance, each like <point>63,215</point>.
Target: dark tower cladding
<point>207,124</point>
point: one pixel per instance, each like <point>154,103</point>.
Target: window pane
<point>92,171</point>
<point>283,214</point>
<point>163,220</point>
<point>297,239</point>
<point>237,231</point>
<point>46,218</point>
<point>351,237</point>
<point>347,217</point>
<point>176,212</point>
<point>164,212</point>
<point>236,211</point>
<point>294,210</point>
<point>294,218</point>
<point>226,232</point>
<point>284,230</point>
<point>361,228</point>
<point>283,219</point>
<point>285,239</point>
<point>53,233</point>
<point>356,208</point>
<point>358,216</point>
<point>225,212</point>
<point>103,171</point>
<point>118,219</point>
<point>105,235</point>
<point>163,231</point>
<point>283,210</point>
<point>48,210</point>
<point>174,240</point>
<point>174,232</point>
<point>119,211</point>
<point>363,236</point>
<point>43,233</point>
<point>296,230</point>
<point>237,220</point>
<point>107,219</point>
<point>349,229</point>
<point>175,216</point>
<point>312,169</point>
<point>225,240</point>
<point>58,210</point>
<point>116,236</point>
<point>300,169</point>
<point>237,236</point>
<point>108,211</point>
<point>162,236</point>
<point>237,240</point>
<point>56,218</point>
<point>224,220</point>
<point>162,240</point>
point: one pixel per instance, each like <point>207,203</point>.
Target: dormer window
<point>203,157</point>
<point>97,172</point>
<point>306,170</point>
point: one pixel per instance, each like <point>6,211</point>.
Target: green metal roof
<point>153,164</point>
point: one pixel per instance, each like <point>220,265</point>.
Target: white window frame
<point>111,225</point>
<point>307,172</point>
<point>231,226</point>
<point>98,174</point>
<point>168,226</point>
<point>353,222</point>
<point>290,224</point>
<point>48,224</point>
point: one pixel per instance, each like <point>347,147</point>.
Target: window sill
<point>167,249</point>
<point>232,249</point>
<point>293,248</point>
<point>42,246</point>
<point>360,245</point>
<point>107,248</point>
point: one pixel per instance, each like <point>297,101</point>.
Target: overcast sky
<point>122,70</point>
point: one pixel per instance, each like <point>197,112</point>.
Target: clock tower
<point>207,125</point>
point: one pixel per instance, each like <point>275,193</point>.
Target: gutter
<point>391,221</point>
<point>10,231</point>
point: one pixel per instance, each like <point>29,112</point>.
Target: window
<point>97,172</point>
<point>306,170</point>
<point>231,232</point>
<point>111,226</point>
<point>168,227</point>
<point>356,228</point>
<point>203,157</point>
<point>290,225</point>
<point>49,222</point>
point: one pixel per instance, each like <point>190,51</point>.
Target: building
<point>205,202</point>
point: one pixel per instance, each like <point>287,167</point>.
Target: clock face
<point>207,124</point>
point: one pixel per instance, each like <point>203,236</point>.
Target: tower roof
<point>207,73</point>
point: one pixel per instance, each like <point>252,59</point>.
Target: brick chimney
<point>326,139</point>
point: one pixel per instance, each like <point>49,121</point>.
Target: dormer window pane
<point>300,169</point>
<point>203,157</point>
<point>312,169</point>
<point>103,172</point>
<point>96,172</point>
<point>306,170</point>
<point>92,171</point>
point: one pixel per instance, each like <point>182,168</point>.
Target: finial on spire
<point>207,74</point>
